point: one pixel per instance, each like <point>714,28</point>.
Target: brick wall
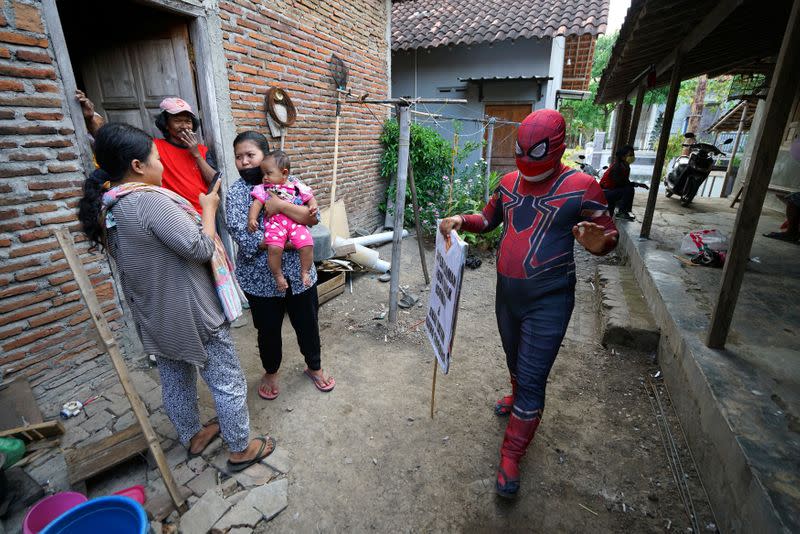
<point>289,44</point>
<point>44,326</point>
<point>45,332</point>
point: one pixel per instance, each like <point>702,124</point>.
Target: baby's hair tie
<point>107,185</point>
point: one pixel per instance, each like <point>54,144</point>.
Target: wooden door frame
<point>213,92</point>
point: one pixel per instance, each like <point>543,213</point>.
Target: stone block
<point>124,422</point>
<point>120,407</point>
<point>270,499</point>
<point>182,474</point>
<point>153,399</point>
<point>97,422</point>
<point>205,513</point>
<point>160,505</point>
<point>204,481</point>
<point>255,475</point>
<point>279,460</point>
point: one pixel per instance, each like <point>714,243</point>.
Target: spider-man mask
<point>540,144</point>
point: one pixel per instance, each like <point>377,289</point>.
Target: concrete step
<point>626,319</point>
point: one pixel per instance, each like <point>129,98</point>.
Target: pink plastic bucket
<point>48,509</point>
<point>134,492</point>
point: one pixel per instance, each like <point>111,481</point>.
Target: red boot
<point>519,434</point>
<point>503,406</point>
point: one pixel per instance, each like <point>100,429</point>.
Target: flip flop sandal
<point>780,236</point>
<point>407,301</point>
<point>235,467</point>
<point>503,406</point>
<point>318,382</point>
<point>190,454</point>
<point>267,396</point>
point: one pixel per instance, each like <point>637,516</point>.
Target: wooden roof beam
<point>714,18</point>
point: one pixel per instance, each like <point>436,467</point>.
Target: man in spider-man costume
<point>544,207</point>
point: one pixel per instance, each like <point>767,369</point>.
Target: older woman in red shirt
<point>189,167</point>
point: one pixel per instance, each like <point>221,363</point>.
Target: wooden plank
<point>17,405</point>
<point>90,460</point>
<point>767,142</point>
<point>29,433</point>
<point>107,337</point>
<point>637,114</point>
<point>666,125</point>
<point>331,288</point>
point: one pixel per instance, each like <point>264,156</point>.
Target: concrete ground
<point>368,457</point>
<point>742,402</point>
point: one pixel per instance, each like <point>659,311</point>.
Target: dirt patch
<point>368,456</point>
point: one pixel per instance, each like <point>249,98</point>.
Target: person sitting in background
<point>189,167</point>
<point>617,185</point>
<point>791,227</point>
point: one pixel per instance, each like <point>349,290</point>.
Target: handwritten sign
<point>440,323</point>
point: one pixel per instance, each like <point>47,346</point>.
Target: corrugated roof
<point>427,24</point>
<point>745,41</point>
<point>503,78</point>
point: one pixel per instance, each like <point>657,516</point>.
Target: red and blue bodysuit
<point>538,205</point>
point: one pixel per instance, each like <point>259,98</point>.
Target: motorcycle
<point>588,169</point>
<point>689,172</point>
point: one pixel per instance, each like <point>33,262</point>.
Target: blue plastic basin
<point>115,514</point>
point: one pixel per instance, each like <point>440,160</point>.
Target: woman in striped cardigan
<point>162,249</point>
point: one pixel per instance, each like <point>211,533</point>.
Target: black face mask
<point>252,176</point>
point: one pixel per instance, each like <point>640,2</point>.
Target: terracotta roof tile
<point>428,24</point>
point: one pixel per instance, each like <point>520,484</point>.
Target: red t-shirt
<point>181,172</point>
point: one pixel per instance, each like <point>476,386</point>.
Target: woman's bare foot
<point>201,440</point>
<point>251,451</point>
<point>268,389</point>
<point>307,279</point>
<point>280,281</point>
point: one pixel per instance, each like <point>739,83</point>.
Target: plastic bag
<point>697,241</point>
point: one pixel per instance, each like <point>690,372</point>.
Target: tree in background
<point>586,116</point>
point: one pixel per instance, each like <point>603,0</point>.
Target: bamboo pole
<point>729,171</point>
<point>489,143</point>
<point>399,207</point>
<point>417,225</point>
<point>433,386</point>
<point>107,337</point>
<point>335,160</point>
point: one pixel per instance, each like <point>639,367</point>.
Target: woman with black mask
<point>267,304</point>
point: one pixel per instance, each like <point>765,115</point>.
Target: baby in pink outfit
<point>279,228</point>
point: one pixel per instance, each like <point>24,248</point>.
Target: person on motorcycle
<point>545,207</point>
<point>617,185</point>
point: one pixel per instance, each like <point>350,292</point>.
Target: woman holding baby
<point>263,281</point>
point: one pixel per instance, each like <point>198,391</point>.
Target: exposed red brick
<point>27,130</point>
<point>19,315</point>
<point>7,306</point>
<point>27,156</point>
<point>55,315</point>
<point>18,38</point>
<point>40,208</point>
<point>10,267</point>
<point>67,217</point>
<point>46,88</point>
<point>39,116</point>
<point>66,156</point>
<point>5,53</point>
<point>17,289</point>
<point>53,143</point>
<point>31,102</point>
<point>38,186</point>
<point>36,57</point>
<point>16,226</point>
<point>27,17</point>
<point>30,338</point>
<point>32,249</point>
<point>24,171</point>
<point>13,331</point>
<point>34,235</point>
<point>5,242</point>
<point>11,85</point>
<point>41,271</point>
<point>8,214</point>
<point>46,73</point>
<point>66,167</point>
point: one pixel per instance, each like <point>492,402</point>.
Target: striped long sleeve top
<point>163,261</point>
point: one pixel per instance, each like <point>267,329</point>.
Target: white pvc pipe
<point>367,257</point>
<point>376,239</point>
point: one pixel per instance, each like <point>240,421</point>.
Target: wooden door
<point>128,79</point>
<point>505,135</point>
